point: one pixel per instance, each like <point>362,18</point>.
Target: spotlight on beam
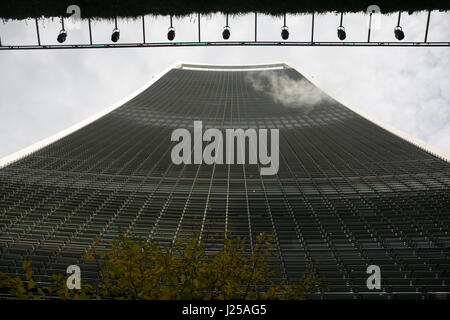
<point>115,35</point>
<point>284,33</point>
<point>284,30</point>
<point>62,36</point>
<point>398,32</point>
<point>226,31</point>
<point>116,32</point>
<point>171,32</point>
<point>341,33</point>
<point>341,30</point>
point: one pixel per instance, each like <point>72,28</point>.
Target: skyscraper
<point>348,193</point>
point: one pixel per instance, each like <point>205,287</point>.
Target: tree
<point>140,269</point>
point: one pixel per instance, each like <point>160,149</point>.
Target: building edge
<point>16,156</point>
<point>207,67</point>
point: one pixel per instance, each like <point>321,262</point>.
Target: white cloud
<point>289,92</point>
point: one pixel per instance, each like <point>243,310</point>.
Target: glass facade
<point>348,193</point>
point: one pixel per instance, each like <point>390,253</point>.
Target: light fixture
<point>341,33</point>
<point>171,32</point>
<point>341,30</point>
<point>284,30</point>
<point>62,34</point>
<point>398,32</point>
<point>115,35</point>
<point>116,32</point>
<point>226,31</point>
<point>284,33</point>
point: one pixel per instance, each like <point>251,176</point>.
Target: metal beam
<point>256,26</point>
<point>226,44</point>
<point>199,30</point>
<point>428,24</point>
<point>90,31</point>
<point>143,29</point>
<point>199,43</point>
<point>37,32</point>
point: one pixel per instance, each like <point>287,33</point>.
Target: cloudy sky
<point>45,91</point>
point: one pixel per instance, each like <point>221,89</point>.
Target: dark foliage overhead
<point>21,9</point>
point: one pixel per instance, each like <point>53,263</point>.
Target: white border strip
<point>45,142</point>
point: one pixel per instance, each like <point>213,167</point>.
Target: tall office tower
<point>348,194</point>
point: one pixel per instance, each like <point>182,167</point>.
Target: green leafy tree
<point>139,269</point>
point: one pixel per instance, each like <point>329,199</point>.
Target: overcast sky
<point>45,91</point>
